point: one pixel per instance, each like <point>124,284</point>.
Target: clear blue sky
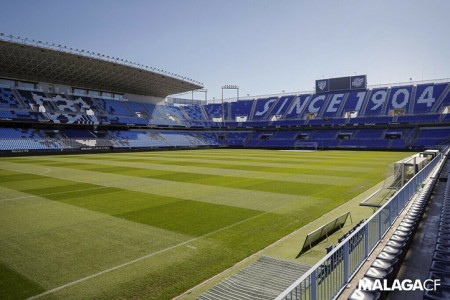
<point>262,46</point>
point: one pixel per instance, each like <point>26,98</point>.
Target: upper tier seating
<point>37,101</point>
<point>263,107</point>
<point>278,108</point>
<point>213,111</point>
<point>114,107</point>
<point>336,120</point>
<point>158,118</point>
<point>241,108</point>
<point>65,105</point>
<point>421,104</point>
<point>426,97</point>
<point>194,112</point>
<point>8,100</point>
<point>195,116</point>
<point>402,104</point>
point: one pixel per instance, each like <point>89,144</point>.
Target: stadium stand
<point>264,107</point>
<point>213,111</point>
<point>405,117</point>
<point>15,133</point>
<point>412,116</point>
<point>441,256</point>
<point>8,100</point>
<point>195,116</point>
<point>241,109</point>
<point>389,259</point>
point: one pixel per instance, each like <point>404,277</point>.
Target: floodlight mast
<point>228,87</point>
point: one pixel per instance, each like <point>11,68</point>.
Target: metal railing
<point>331,274</point>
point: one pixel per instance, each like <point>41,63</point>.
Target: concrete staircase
<point>264,279</point>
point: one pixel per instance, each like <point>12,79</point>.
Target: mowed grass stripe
<point>81,163</point>
<point>255,153</point>
<point>42,185</point>
<point>15,286</point>
<point>327,191</point>
<point>224,165</point>
<point>191,217</point>
<point>299,173</point>
<point>360,159</point>
<point>264,163</point>
<point>249,199</point>
<point>242,183</point>
<point>183,216</point>
<point>178,215</point>
<point>170,272</point>
<point>52,243</point>
<point>245,183</point>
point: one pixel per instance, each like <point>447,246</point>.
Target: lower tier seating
<point>375,139</point>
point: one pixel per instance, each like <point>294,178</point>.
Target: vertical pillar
<point>313,285</point>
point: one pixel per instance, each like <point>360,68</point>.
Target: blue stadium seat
<point>400,98</point>
<point>376,104</point>
<point>334,120</point>
<point>263,107</point>
<point>8,100</point>
<point>241,108</point>
<point>426,97</point>
<point>279,108</point>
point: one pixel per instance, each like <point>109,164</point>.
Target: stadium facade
<point>59,100</point>
<point>55,99</point>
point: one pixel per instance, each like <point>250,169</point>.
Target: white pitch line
<point>57,193</point>
<point>47,170</point>
<point>152,254</point>
<point>143,257</point>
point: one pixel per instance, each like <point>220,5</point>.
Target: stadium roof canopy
<point>37,61</point>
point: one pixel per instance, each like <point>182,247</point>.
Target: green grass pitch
<point>151,225</point>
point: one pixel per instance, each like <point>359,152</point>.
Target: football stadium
<point>115,183</point>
